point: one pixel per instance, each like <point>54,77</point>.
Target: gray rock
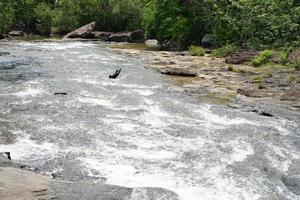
<point>100,35</point>
<point>207,40</point>
<point>152,43</point>
<point>241,57</point>
<point>119,37</point>
<point>4,53</point>
<point>137,36</point>
<point>292,183</point>
<point>5,162</point>
<point>16,33</point>
<point>82,32</point>
<point>153,194</point>
<point>89,191</point>
<point>253,92</point>
<point>179,72</point>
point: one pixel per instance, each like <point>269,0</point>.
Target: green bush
<point>284,56</point>
<point>296,64</point>
<point>44,18</point>
<point>262,58</point>
<point>224,51</point>
<point>196,51</point>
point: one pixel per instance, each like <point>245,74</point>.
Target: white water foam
<point>24,148</point>
<point>29,92</point>
<point>95,101</point>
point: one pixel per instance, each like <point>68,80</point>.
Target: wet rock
<point>179,72</point>
<point>262,113</point>
<point>1,36</point>
<point>100,35</point>
<point>151,43</point>
<point>207,40</point>
<point>137,36</point>
<point>82,32</point>
<point>119,37</point>
<point>292,183</point>
<point>241,57</point>
<point>90,191</point>
<point>20,184</point>
<point>153,194</point>
<point>5,161</point>
<point>252,92</point>
<point>16,33</point>
<point>291,96</point>
<point>4,53</point>
<point>60,93</point>
<point>116,74</point>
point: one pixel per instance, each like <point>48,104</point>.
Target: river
<point>137,130</point>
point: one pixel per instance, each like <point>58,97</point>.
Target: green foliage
<point>176,24</point>
<point>284,56</point>
<point>196,51</point>
<point>166,21</point>
<point>262,58</point>
<point>43,14</point>
<point>296,64</point>
<point>6,16</point>
<point>224,51</point>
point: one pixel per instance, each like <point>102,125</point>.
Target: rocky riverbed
<point>220,81</point>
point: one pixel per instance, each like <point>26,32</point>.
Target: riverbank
<point>222,82</point>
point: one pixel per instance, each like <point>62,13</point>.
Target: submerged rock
<point>179,72</point>
<point>119,37</point>
<point>82,32</point>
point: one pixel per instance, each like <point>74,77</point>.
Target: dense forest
<point>177,23</point>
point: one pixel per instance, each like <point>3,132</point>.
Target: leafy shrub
<point>284,56</point>
<point>44,19</point>
<point>262,58</point>
<point>296,64</point>
<point>224,51</point>
<point>196,51</point>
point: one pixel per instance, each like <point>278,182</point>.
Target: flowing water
<point>135,131</point>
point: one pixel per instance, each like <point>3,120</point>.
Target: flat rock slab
<point>82,32</point>
<point>179,72</point>
<point>16,184</point>
<point>100,35</point>
<point>241,57</point>
<point>119,37</point>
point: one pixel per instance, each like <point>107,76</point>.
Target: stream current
<point>135,131</point>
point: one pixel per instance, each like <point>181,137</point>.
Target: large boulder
<point>119,37</point>
<point>82,32</point>
<point>16,33</point>
<point>137,36</point>
<point>100,35</point>
<point>179,71</point>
